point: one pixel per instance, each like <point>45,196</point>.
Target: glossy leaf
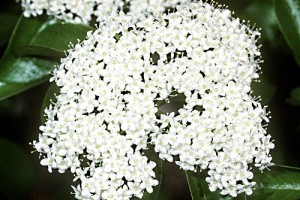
<point>18,71</point>
<point>16,171</point>
<point>281,182</point>
<point>54,38</point>
<point>23,74</point>
<point>36,50</point>
<point>7,22</point>
<point>199,187</point>
<point>195,185</point>
<point>288,17</point>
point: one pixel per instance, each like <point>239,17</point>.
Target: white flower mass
<point>82,11</point>
<point>106,114</point>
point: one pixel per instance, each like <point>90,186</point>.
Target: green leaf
<point>7,22</point>
<point>153,156</point>
<point>295,97</point>
<point>34,37</point>
<point>36,50</point>
<point>54,38</point>
<point>16,171</point>
<point>288,17</point>
<point>199,187</point>
<point>20,73</point>
<point>281,182</point>
<point>23,74</point>
<point>195,185</point>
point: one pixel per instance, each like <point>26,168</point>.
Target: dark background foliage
<point>22,177</point>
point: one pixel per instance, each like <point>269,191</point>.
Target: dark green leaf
<point>20,73</point>
<point>195,185</point>
<point>7,23</point>
<point>288,17</point>
<point>281,182</point>
<point>295,97</point>
<point>199,188</point>
<point>35,50</point>
<point>33,37</point>
<point>23,73</point>
<point>53,38</point>
<point>16,171</point>
<point>58,35</point>
<point>24,31</point>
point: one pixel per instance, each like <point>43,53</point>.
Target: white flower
<point>107,106</point>
<point>82,11</point>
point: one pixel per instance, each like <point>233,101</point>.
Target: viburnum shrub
<point>106,114</point>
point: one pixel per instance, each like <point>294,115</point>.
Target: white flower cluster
<point>106,111</point>
<point>82,11</point>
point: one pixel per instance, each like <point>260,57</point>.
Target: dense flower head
<point>110,85</point>
<point>82,11</point>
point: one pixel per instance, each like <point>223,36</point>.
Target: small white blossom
<point>106,112</point>
<point>82,11</point>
